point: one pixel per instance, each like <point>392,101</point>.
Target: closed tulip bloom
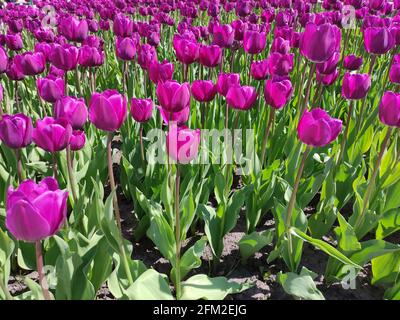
<point>210,56</point>
<point>52,134</point>
<point>389,109</point>
<point>14,42</point>
<point>90,57</point>
<point>187,51</point>
<point>3,60</point>
<point>141,109</point>
<point>74,29</point>
<point>241,97</point>
<point>254,42</point>
<point>146,56</point>
<point>223,35</point>
<point>378,40</point>
<point>277,92</point>
<point>183,144</point>
<point>318,43</point>
<point>329,66</point>
<point>55,72</point>
<point>107,110</point>
<point>35,211</point>
<point>64,57</point>
<point>394,73</point>
<point>78,140</point>
<point>203,90</point>
<point>161,72</point>
<point>50,88</point>
<point>259,69</point>
<point>316,128</point>
<point>73,109</point>
<point>180,117</point>
<point>280,64</point>
<point>30,63</point>
<point>125,48</point>
<point>173,96</point>
<point>14,72</point>
<point>355,86</point>
<point>226,81</point>
<point>280,45</point>
<point>16,130</point>
<point>122,26</point>
<point>352,62</point>
<point>327,79</point>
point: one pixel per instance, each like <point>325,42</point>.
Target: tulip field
<point>200,149</point>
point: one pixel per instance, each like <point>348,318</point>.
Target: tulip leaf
<point>252,243</point>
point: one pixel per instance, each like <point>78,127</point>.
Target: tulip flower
<point>187,51</point>
<point>14,42</point>
<point>223,35</point>
<point>173,96</point>
<point>210,56</point>
<point>122,26</point>
<point>64,57</point>
<point>50,88</point>
<point>389,109</point>
<point>226,81</point>
<point>241,97</point>
<point>259,69</point>
<point>141,109</point>
<point>146,56</point>
<point>179,118</point>
<point>161,72</point>
<point>3,60</point>
<point>378,40</point>
<point>277,92</point>
<point>280,45</point>
<point>30,63</point>
<point>254,42</point>
<point>329,66</point>
<point>280,64</point>
<point>355,86</point>
<point>74,29</point>
<point>90,57</point>
<point>52,134</point>
<point>327,79</point>
<point>125,48</point>
<point>78,140</point>
<point>35,212</point>
<point>16,130</point>
<point>394,73</point>
<point>72,109</point>
<point>352,62</point>
<point>203,90</point>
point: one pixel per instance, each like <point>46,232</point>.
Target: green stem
<point>371,182</point>
<point>71,175</point>
<point>20,169</point>
<point>308,88</point>
<point>177,236</point>
<point>266,134</point>
<point>42,278</point>
<point>55,166</point>
<point>345,134</point>
<point>5,289</point>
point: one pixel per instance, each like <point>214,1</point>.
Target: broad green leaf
<point>252,243</point>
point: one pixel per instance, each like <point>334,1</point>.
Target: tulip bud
<point>50,88</point>
<point>389,109</point>
<point>241,97</point>
<point>16,130</point>
<point>183,144</point>
<point>52,134</point>
<point>277,92</point>
<point>72,109</point>
<point>259,69</point>
<point>173,96</point>
<point>78,140</point>
<point>141,109</point>
<point>125,48</point>
<point>355,86</point>
<point>254,42</point>
<point>203,90</point>
<point>226,81</point>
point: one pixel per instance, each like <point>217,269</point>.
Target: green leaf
<point>388,224</point>
<point>328,249</point>
<point>150,285</point>
<point>254,242</point>
<point>347,239</point>
<point>201,286</point>
<point>386,268</point>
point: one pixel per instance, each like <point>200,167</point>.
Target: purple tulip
<point>161,72</point>
<point>241,97</point>
<point>30,63</point>
<point>318,43</point>
<point>259,69</point>
<point>203,90</point>
<point>3,60</point>
<point>64,57</point>
<point>226,81</point>
<point>52,134</point>
<point>316,128</point>
<point>146,56</point>
<point>14,42</point>
<point>327,79</point>
<point>107,110</point>
<point>50,88</point>
<point>74,29</point>
<point>141,109</point>
<point>36,211</point>
<point>352,62</point>
<point>210,56</point>
<point>389,109</point>
<point>173,96</point>
<point>280,64</point>
<point>394,73</point>
<point>125,48</point>
<point>187,51</point>
<point>179,117</point>
<point>122,26</point>
<point>254,42</point>
<point>183,144</point>
<point>355,86</point>
<point>329,66</point>
<point>90,57</point>
<point>223,35</point>
<point>277,92</point>
<point>280,45</point>
<point>78,140</point>
<point>378,40</point>
<point>14,72</point>
<point>16,130</point>
<point>72,109</point>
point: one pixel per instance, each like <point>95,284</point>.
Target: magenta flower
<point>226,81</point>
<point>187,51</point>
<point>210,56</point>
<point>146,56</point>
<point>52,134</point>
<point>278,92</point>
<point>90,56</point>
<point>16,130</point>
<point>74,29</point>
<point>50,88</point>
<point>203,90</point>
<point>141,109</point>
<point>64,57</point>
<point>78,140</point>
<point>355,86</point>
<point>241,97</point>
<point>259,69</point>
<point>183,144</point>
<point>327,79</point>
<point>30,63</point>
<point>280,45</point>
<point>223,35</point>
<point>161,72</point>
<point>107,110</point>
<point>72,109</point>
<point>389,109</point>
<point>352,62</point>
<point>173,96</point>
<point>329,66</point>
<point>3,60</point>
<point>316,128</point>
<point>280,64</point>
<point>14,42</point>
<point>36,211</point>
<point>179,117</point>
<point>254,42</point>
<point>125,48</point>
<point>378,40</point>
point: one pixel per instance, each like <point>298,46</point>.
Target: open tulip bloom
<point>182,122</point>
